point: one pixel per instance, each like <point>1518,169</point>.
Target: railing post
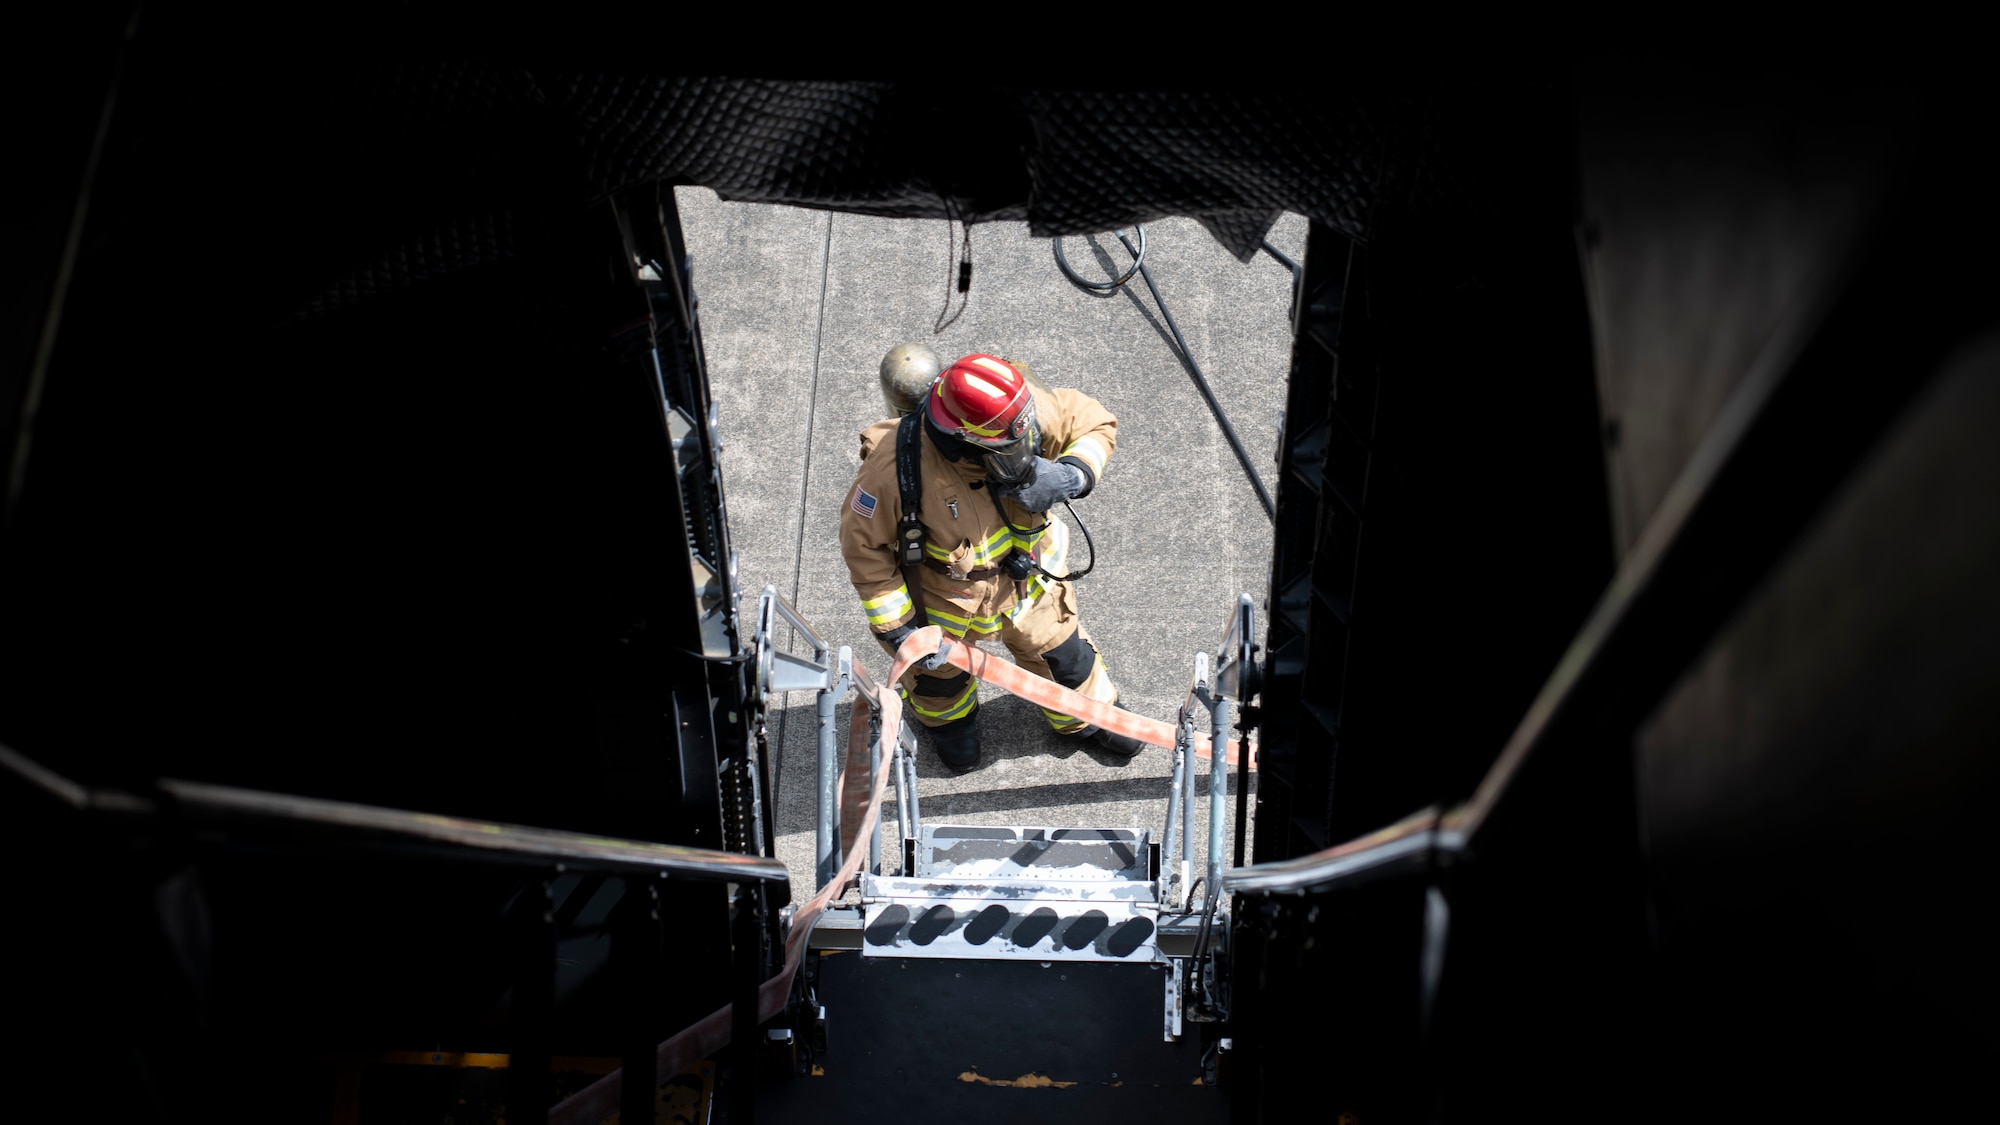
<point>637,949</point>
<point>906,822</point>
<point>1185,743</point>
<point>778,672</point>
<point>906,740</point>
<point>1244,680</point>
<point>828,839</point>
<point>530,1086</point>
<point>1175,875</point>
<point>1187,805</point>
<point>874,767</point>
<point>830,762</point>
<point>1218,787</point>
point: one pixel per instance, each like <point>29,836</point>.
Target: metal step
<point>1031,894</point>
<point>1011,929</point>
<point>984,852</point>
<point>875,887</point>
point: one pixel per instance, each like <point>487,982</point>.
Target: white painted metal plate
<point>926,891</point>
<point>967,852</point>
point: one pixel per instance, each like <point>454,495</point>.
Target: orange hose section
<point>853,802</point>
<point>711,1033</point>
<point>1054,697</point>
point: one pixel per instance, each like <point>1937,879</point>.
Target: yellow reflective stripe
<point>899,594</point>
<point>1090,451</point>
<point>958,626</point>
<point>988,553</point>
<point>1037,586</point>
<point>957,708</point>
<point>1055,555</point>
<point>951,622</point>
<point>889,608</point>
<point>1060,721</point>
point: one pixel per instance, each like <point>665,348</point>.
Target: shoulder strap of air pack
<point>910,527</point>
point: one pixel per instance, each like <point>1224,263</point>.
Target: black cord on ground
<point>1201,384</point>
<point>1138,259</point>
<point>955,261</point>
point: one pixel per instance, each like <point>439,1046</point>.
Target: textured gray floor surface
<point>797,308</point>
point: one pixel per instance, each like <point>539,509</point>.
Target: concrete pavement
<point>797,308</point>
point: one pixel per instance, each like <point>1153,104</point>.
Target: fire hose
<point>710,1034</point>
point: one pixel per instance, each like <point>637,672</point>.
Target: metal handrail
<point>1236,675</point>
<point>778,672</point>
<point>1234,671</point>
<point>1688,552</point>
<point>1180,796</point>
<point>501,842</point>
<point>205,804</point>
<point>906,783</point>
<point>792,617</point>
<point>831,674</point>
<point>1218,793</point>
<point>1230,673</point>
<point>1416,839</point>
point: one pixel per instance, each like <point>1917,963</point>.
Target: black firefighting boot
<point>1124,746</point>
<point>957,742</point>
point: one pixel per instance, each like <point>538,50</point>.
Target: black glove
<point>1053,481</point>
<point>894,638</point>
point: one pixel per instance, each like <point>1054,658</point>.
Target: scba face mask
<point>1011,463</point>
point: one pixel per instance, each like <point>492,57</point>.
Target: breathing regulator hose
<point>1021,564</point>
<point>1186,356</point>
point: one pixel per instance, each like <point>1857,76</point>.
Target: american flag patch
<point>863,504</point>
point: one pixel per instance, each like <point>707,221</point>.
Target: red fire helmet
<point>984,402</point>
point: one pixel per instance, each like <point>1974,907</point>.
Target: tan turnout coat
<point>966,533</point>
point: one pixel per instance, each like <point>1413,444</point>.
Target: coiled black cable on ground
<point>1138,262</point>
<point>1187,356</point>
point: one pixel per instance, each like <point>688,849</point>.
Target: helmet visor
<point>1012,464</point>
<point>1010,456</point>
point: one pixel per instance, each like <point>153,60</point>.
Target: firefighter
<point>994,449</point>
